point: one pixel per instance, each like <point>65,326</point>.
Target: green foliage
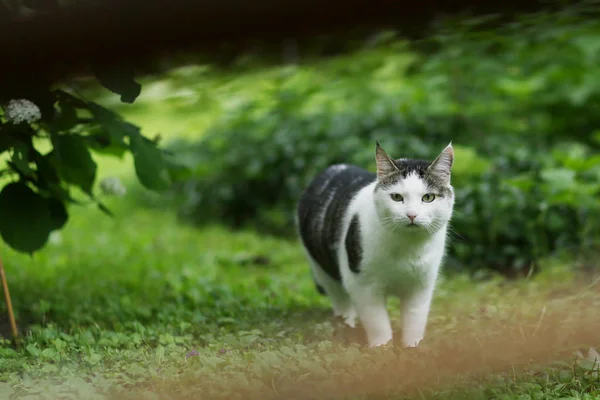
<point>48,142</point>
<point>48,137</point>
<point>522,116</point>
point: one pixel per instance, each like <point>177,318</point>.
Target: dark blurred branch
<point>54,43</point>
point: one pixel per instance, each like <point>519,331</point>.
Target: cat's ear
<point>442,165</point>
<point>385,165</point>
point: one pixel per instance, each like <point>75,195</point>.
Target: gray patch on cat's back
<point>322,208</point>
<point>353,245</point>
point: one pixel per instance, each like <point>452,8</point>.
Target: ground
<point>145,306</point>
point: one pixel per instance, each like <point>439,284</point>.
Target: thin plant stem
<point>11,314</point>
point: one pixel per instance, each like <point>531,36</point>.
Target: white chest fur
<point>401,264</point>
<point>395,262</point>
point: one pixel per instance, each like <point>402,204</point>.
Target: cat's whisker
<point>391,223</point>
<point>454,233</point>
<point>431,229</point>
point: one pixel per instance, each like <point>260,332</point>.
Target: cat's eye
<point>397,197</point>
<point>428,198</point>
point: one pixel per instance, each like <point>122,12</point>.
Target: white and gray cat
<point>370,235</point>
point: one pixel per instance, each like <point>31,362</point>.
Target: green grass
<point>143,306</point>
<point>117,304</point>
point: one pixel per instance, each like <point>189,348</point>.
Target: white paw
<point>379,341</point>
<point>350,319</point>
<point>411,342</point>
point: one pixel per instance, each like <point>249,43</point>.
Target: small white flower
<point>55,238</point>
<point>113,186</point>
<point>22,110</point>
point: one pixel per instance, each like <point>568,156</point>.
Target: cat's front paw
<point>378,342</point>
<point>420,348</point>
<point>412,340</point>
<point>350,319</point>
<point>412,344</point>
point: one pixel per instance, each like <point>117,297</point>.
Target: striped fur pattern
<point>371,235</point>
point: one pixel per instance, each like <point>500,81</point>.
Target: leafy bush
<point>47,136</point>
<point>526,206</point>
<point>41,182</point>
<point>521,114</point>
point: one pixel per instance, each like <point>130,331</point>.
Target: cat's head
<point>414,194</point>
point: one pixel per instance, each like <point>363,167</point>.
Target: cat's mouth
<point>413,225</point>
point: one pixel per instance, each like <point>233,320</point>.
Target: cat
<point>370,235</point>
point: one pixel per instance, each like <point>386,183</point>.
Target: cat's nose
<point>411,216</point>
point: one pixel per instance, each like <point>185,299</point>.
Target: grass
<point>144,307</point>
<point>141,306</point>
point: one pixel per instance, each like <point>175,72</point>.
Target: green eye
<point>396,197</point>
<point>428,198</point>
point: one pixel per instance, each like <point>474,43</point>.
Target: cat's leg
<point>415,308</point>
<point>340,301</point>
<point>370,304</point>
<point>342,305</point>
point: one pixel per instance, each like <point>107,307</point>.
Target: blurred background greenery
<point>214,264</point>
<point>521,103</point>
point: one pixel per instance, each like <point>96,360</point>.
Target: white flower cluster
<point>22,110</point>
<point>113,186</point>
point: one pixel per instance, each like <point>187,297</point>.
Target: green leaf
<point>47,173</point>
<point>66,118</point>
<point>559,178</point>
<point>25,218</point>
<point>5,141</point>
<point>74,161</point>
<point>98,144</point>
<point>150,165</point>
<point>48,181</point>
<point>177,172</point>
<point>119,80</point>
<point>67,98</point>
<point>33,350</point>
<point>58,213</point>
<point>20,159</point>
<point>114,128</point>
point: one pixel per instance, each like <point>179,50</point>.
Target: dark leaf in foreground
<point>150,166</point>
<point>25,218</point>
<point>119,80</point>
<point>75,161</point>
